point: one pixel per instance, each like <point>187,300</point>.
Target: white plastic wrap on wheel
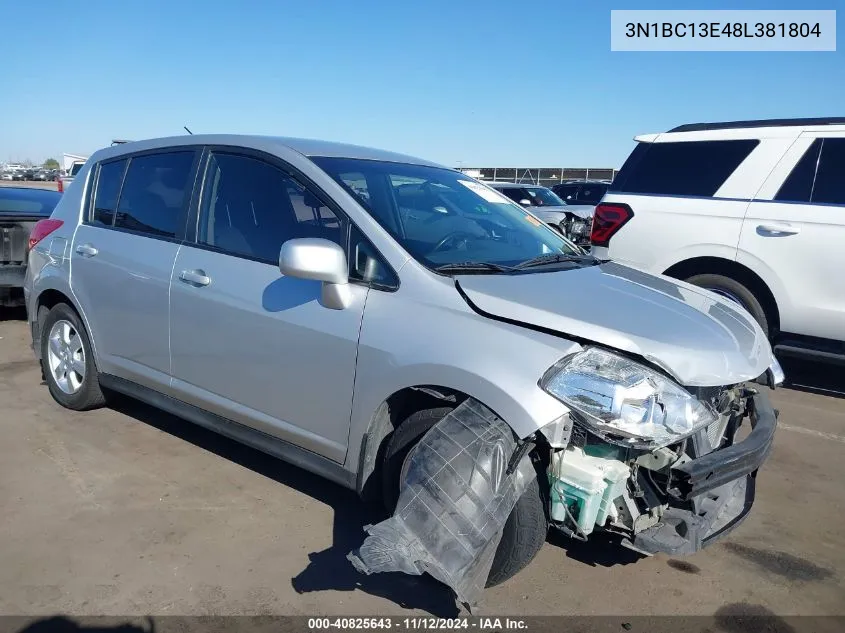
<point>454,500</point>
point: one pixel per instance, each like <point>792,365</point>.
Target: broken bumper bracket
<point>719,487</point>
<point>734,462</point>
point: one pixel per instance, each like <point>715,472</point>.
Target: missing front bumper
<point>714,493</point>
<point>683,531</point>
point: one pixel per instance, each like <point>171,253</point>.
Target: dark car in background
<point>581,191</point>
<point>20,209</point>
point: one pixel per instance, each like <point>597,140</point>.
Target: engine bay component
<point>584,488</point>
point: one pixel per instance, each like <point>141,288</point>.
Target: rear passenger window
<point>154,192</point>
<point>693,168</point>
<point>798,187</point>
<point>108,188</point>
<point>251,208</point>
<point>829,187</point>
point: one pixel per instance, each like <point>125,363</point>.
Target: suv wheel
<point>736,292</point>
<point>526,528</point>
<point>68,362</point>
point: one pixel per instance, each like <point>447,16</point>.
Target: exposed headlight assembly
<point>574,228</point>
<point>624,401</point>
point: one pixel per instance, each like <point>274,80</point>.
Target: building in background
<point>546,176</point>
<point>68,161</point>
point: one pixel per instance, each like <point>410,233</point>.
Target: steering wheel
<point>454,235</point>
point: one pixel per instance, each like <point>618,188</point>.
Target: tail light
<point>61,185</point>
<point>42,229</point>
<point>608,218</point>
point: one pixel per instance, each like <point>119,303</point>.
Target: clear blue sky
<point>512,82</point>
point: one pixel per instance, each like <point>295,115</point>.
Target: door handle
<point>195,277</point>
<point>86,250</point>
<point>776,230</point>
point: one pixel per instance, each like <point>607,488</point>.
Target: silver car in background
<point>572,220</point>
<point>332,305</point>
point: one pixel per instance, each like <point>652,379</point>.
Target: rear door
<point>248,343</point>
<point>122,257</point>
<point>795,239</point>
<point>684,200</point>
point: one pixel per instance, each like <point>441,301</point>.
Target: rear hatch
<point>14,235</point>
<point>20,209</point>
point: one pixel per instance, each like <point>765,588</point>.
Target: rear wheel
<point>68,361</point>
<point>526,527</point>
<point>736,292</point>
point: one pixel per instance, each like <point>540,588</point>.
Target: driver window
<point>515,194</point>
<point>251,207</point>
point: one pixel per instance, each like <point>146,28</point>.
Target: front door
<point>799,235</point>
<point>247,342</point>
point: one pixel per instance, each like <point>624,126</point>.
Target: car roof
<point>306,147</point>
<point>753,129</point>
<point>731,125</point>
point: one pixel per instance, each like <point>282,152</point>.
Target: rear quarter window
<point>109,179</point>
<point>691,168</point>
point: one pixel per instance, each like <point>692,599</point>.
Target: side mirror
<point>525,202</point>
<point>319,260</point>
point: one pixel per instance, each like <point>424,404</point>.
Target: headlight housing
<point>575,228</point>
<point>625,402</point>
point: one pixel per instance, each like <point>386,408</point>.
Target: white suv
<point>752,210</point>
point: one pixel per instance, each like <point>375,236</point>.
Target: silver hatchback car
<point>331,304</point>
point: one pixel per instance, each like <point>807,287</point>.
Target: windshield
<point>443,217</point>
<point>542,197</point>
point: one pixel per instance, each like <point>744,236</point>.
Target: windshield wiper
<point>555,258</point>
<point>470,267</point>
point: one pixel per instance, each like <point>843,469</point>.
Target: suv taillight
<point>61,185</point>
<point>608,218</point>
<point>42,229</point>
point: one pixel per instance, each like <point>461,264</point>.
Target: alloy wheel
<point>66,357</point>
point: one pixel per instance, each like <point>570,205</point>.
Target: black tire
<point>526,528</point>
<point>524,533</point>
<point>89,395</point>
<point>746,298</point>
<point>400,444</point>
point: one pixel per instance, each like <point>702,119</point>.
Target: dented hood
<point>699,338</point>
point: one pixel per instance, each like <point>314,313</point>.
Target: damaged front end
<point>666,469</point>
<point>461,482</point>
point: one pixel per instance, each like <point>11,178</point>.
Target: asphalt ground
<point>129,511</point>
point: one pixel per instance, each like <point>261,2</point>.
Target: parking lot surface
<point>130,511</point>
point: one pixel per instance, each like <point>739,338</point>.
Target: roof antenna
<point>187,130</point>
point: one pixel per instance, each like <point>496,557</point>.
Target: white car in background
<point>752,210</point>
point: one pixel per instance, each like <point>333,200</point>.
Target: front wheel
<point>524,531</point>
